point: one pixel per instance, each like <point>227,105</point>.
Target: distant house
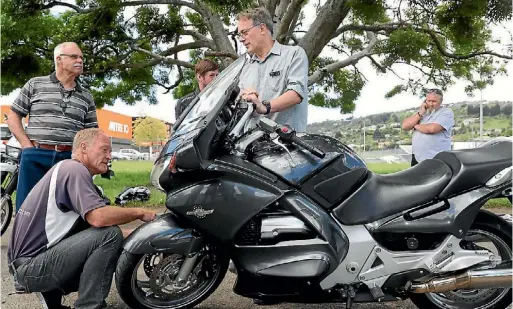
<point>468,121</point>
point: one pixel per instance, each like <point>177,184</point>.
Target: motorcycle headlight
<point>157,170</point>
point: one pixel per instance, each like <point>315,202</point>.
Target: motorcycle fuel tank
<point>296,164</point>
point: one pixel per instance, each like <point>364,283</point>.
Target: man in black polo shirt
<point>58,107</point>
<point>206,70</point>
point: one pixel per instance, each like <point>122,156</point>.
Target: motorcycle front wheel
<point>149,281</point>
<point>493,237</point>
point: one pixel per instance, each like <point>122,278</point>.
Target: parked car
<point>116,156</point>
<point>127,154</point>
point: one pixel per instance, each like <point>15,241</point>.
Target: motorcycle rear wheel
<point>144,294</point>
<point>500,236</point>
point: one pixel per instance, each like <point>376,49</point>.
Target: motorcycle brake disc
<point>162,279</point>
<point>150,261</point>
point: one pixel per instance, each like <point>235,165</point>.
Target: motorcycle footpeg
<point>377,293</point>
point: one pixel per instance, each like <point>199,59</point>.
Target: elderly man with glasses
<point>432,127</point>
<point>58,107</point>
<point>276,76</point>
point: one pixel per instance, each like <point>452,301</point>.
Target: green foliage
<point>108,30</point>
<point>407,44</point>
<point>368,11</point>
<point>25,51</point>
<point>345,85</point>
<point>149,130</point>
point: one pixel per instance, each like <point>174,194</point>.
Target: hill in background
<point>383,131</point>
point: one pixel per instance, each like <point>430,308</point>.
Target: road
<point>223,297</point>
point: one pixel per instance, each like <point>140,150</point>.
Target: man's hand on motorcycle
<point>147,215</point>
<point>251,95</point>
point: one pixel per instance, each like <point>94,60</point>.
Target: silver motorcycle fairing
<point>455,220</point>
<point>364,250</point>
<point>446,257</point>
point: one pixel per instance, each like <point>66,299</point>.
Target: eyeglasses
<point>245,31</point>
<point>435,90</point>
<point>73,56</point>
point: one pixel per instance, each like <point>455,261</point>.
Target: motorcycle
<point>9,165</point>
<point>304,220</point>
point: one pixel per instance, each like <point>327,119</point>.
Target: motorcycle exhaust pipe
<point>473,279</point>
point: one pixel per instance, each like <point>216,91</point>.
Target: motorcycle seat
<point>474,167</point>
<point>384,195</point>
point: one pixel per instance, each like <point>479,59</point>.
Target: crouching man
<point>65,238</point>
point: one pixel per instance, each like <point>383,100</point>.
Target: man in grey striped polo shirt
<point>58,107</point>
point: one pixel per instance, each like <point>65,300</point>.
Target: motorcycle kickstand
<point>348,293</point>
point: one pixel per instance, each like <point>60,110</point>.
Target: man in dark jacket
<point>206,70</point>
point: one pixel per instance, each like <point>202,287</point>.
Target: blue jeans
<point>34,164</point>
<point>84,262</point>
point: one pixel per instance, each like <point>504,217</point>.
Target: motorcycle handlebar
<point>298,141</point>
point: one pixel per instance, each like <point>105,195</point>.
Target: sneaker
<point>51,300</point>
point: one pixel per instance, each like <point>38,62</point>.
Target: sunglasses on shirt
<point>435,90</point>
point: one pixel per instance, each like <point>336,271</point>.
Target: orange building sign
<point>114,124</point>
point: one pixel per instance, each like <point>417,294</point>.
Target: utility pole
<point>363,134</point>
<point>481,116</point>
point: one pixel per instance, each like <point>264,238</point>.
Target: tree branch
<point>180,72</point>
<point>373,28</point>
<point>171,2</point>
<point>271,7</point>
<point>415,66</point>
<point>160,58</point>
<point>289,15</point>
<point>186,46</point>
<point>380,67</point>
<point>319,74</point>
<point>217,32</point>
<point>198,36</point>
<point>280,10</point>
<point>432,33</point>
<point>331,15</point>
<point>123,4</point>
<point>445,53</point>
<point>221,54</point>
<point>69,5</point>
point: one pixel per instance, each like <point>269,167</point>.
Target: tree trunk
<point>217,31</point>
<point>323,28</point>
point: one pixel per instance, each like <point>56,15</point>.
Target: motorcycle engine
<point>270,230</point>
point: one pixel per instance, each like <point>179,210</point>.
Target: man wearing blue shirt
<point>432,127</point>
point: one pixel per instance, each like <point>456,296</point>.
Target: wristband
<point>267,105</point>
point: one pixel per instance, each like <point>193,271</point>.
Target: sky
<point>371,100</point>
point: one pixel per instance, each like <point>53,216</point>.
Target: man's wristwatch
<point>267,105</point>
